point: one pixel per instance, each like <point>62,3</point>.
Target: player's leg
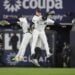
<point>44,40</point>
<point>26,40</point>
<point>38,53</point>
<point>33,46</point>
<point>22,49</point>
<point>34,41</point>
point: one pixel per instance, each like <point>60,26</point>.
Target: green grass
<point>37,71</point>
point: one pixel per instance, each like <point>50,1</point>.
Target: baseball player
<point>26,39</point>
<point>39,31</point>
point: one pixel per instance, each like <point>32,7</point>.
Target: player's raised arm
<point>50,21</point>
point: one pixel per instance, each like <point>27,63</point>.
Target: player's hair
<point>38,9</point>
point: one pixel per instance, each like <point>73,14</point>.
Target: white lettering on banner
<point>43,4</point>
<point>6,40</point>
<point>32,4</point>
<point>59,4</point>
<point>57,17</point>
<point>25,6</point>
<point>8,59</point>
<point>50,4</point>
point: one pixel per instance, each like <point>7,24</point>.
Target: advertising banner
<point>13,8</point>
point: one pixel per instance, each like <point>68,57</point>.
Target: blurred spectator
<point>1,51</point>
<point>1,43</point>
<point>13,42</point>
<point>68,17</point>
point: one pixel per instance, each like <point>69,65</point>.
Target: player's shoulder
<point>22,19</point>
<point>34,17</point>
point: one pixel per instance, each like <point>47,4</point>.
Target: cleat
<point>15,59</point>
<point>35,62</point>
<point>18,59</point>
<point>48,56</point>
<point>21,58</point>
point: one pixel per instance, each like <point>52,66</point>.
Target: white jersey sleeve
<point>24,20</point>
<point>24,24</point>
<point>50,21</point>
<point>35,19</point>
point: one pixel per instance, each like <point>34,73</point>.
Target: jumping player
<point>26,39</point>
<point>40,23</point>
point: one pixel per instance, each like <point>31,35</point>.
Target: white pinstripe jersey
<point>39,24</point>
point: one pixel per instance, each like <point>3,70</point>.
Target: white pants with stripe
<point>25,41</point>
<point>39,34</point>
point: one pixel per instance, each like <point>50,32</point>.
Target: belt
<point>27,32</point>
